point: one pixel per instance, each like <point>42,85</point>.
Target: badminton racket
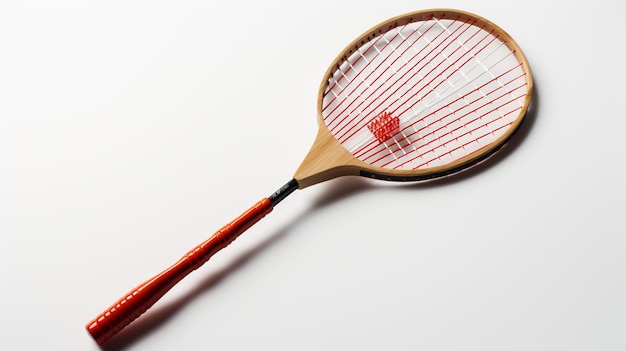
<point>419,96</point>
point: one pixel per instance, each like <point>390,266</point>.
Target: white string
<point>429,106</point>
<point>378,76</point>
<point>487,70</point>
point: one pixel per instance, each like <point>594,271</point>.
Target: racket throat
<point>326,160</point>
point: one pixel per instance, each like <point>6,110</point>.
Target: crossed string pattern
<point>455,87</point>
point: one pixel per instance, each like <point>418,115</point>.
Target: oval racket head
<point>419,96</point>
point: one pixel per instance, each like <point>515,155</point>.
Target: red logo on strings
<point>384,126</point>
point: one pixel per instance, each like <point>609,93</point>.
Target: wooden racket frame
<point>328,159</point>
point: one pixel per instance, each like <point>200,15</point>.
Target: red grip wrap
<point>138,300</point>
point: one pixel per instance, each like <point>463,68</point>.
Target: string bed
<point>451,86</point>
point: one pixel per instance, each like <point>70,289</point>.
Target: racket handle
<point>138,300</point>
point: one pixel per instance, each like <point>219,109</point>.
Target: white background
<point>131,130</point>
